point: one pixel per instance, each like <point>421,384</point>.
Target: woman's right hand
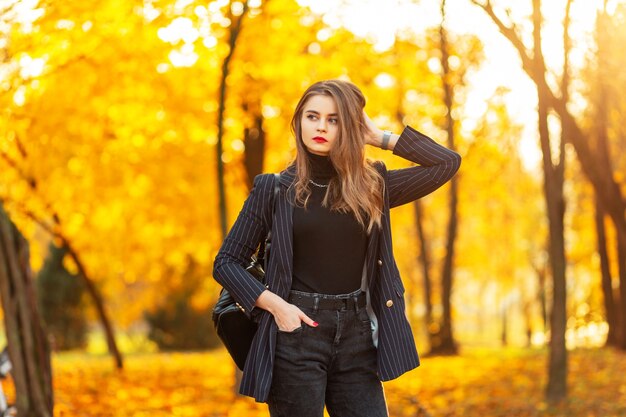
<point>288,317</point>
<point>374,134</point>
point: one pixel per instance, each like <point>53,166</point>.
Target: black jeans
<point>333,364</point>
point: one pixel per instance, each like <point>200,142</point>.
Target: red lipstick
<point>319,139</point>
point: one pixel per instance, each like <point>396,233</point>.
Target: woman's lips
<point>319,139</point>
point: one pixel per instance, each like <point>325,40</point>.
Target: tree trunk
<point>556,389</point>
<point>28,348</point>
<point>607,286</point>
<point>553,186</point>
<point>91,288</point>
<point>602,149</point>
<point>254,142</point>
<point>254,145</point>
<point>594,166</point>
<point>99,304</point>
<point>424,255</point>
<point>621,320</point>
<point>504,337</point>
<point>424,258</point>
<point>541,296</point>
<point>597,164</point>
<point>527,313</point>
<point>235,30</point>
<point>444,342</point>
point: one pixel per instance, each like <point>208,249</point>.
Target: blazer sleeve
<point>437,164</point>
<point>241,243</point>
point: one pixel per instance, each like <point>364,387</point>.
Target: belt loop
<point>316,304</point>
<point>356,303</point>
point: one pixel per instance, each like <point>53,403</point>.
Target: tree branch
<point>567,47</point>
<point>55,231</point>
<point>510,33</point>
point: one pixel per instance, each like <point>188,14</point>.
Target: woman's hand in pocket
<point>288,317</point>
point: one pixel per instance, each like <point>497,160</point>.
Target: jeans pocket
<point>363,316</point>
<point>294,331</point>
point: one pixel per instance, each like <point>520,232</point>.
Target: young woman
<point>331,319</point>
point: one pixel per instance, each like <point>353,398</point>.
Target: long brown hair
<point>358,186</point>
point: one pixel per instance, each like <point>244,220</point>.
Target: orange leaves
<point>509,383</point>
<point>196,384</point>
<point>494,383</point>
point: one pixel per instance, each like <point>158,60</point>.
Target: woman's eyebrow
<point>316,112</point>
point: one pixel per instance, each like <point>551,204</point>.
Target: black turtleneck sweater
<point>328,246</point>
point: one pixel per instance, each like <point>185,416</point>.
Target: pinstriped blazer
<point>396,348</point>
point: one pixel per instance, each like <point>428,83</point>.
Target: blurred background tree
<point>60,295</point>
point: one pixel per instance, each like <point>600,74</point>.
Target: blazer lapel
<point>372,255</point>
<point>373,240</point>
<point>282,235</point>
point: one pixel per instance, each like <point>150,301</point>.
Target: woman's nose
<point>321,125</point>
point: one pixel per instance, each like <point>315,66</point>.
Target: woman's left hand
<point>374,135</point>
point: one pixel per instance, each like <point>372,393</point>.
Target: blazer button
<point>380,262</point>
<point>389,303</point>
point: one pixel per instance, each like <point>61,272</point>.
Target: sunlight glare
<point>501,67</point>
<point>324,34</point>
<point>65,24</point>
<point>369,19</point>
<point>454,62</point>
<point>162,68</point>
<point>214,7</point>
<point>149,12</point>
<point>31,67</point>
<point>611,6</point>
<point>434,65</point>
<point>538,339</point>
<point>269,112</point>
<point>27,12</point>
<point>179,29</point>
<point>384,80</point>
<point>19,97</point>
<point>181,5</point>
<point>468,126</point>
<point>201,11</point>
<point>314,48</point>
<point>236,8</point>
<point>237,145</point>
<point>529,152</point>
<point>210,41</point>
<point>183,57</point>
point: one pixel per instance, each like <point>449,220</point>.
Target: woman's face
<point>320,124</point>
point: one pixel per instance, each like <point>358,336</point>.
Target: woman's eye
<point>311,117</point>
<point>333,121</point>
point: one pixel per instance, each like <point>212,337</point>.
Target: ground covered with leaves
<point>498,382</point>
